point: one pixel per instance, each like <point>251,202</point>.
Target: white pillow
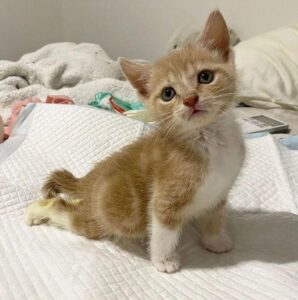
<point>268,69</point>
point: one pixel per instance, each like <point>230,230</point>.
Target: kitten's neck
<point>202,137</point>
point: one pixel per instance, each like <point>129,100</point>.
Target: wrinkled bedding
<point>75,70</point>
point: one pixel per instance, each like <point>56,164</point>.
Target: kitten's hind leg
<point>214,236</point>
<point>53,211</point>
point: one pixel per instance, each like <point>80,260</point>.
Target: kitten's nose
<point>191,101</point>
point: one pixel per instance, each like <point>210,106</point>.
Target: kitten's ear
<point>215,35</point>
<point>137,73</point>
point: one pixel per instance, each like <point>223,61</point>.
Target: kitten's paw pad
<point>167,265</point>
<point>35,214</point>
<point>219,244</point>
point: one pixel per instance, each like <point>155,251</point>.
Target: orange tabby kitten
<point>182,170</point>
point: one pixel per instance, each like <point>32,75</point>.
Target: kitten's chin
<point>197,119</point>
<point>202,118</point>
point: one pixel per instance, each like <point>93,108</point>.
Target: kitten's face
<point>192,86</point>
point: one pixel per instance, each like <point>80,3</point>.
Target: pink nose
<point>191,101</point>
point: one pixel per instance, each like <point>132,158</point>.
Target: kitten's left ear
<point>138,74</point>
<point>215,35</point>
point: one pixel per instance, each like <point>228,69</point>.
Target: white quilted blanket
<point>46,263</point>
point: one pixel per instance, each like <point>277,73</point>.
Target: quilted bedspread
<point>43,262</point>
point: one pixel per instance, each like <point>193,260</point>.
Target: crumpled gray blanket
<point>75,70</point>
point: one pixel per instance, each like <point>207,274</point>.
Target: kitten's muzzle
<point>191,101</point>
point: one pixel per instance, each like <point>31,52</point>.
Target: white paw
<point>34,214</point>
<point>219,243</point>
<point>170,265</point>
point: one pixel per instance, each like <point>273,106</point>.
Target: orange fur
<point>152,183</point>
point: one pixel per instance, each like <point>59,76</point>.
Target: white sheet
<point>46,263</point>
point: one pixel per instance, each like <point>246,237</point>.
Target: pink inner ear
<point>138,74</point>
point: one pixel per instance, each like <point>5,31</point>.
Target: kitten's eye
<point>168,94</point>
<point>205,77</point>
<point>175,46</point>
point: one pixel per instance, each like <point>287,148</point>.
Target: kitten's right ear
<point>216,35</point>
<point>137,73</point>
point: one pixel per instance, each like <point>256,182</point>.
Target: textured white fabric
<point>75,70</point>
<point>47,263</point>
<point>268,69</point>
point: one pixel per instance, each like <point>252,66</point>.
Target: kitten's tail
<point>61,182</point>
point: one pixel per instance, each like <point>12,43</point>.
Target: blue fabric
<point>290,142</point>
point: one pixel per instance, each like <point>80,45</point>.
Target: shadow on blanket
<point>258,235</point>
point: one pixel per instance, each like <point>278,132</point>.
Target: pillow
<point>187,35</point>
<point>268,69</point>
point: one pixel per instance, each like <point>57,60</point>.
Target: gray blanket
<point>76,70</point>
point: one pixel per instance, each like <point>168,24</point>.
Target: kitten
<point>182,170</point>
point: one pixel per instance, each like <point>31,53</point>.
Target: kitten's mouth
<point>196,112</point>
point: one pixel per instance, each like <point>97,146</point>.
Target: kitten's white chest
<point>225,154</point>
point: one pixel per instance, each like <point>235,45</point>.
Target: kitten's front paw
<point>219,243</point>
<point>169,265</point>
